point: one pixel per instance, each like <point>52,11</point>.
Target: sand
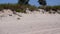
<point>34,23</point>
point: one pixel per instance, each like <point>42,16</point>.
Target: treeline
<point>41,2</point>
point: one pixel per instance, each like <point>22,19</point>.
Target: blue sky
<point>33,2</point>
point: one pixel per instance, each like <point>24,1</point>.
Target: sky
<point>33,2</point>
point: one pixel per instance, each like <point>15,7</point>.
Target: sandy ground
<point>30,24</point>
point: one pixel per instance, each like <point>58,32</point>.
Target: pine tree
<point>23,1</point>
<point>27,1</point>
<point>42,2</point>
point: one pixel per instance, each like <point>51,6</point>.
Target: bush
<point>20,10</point>
<point>32,8</point>
<point>57,7</point>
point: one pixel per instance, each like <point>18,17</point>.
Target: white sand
<point>30,24</point>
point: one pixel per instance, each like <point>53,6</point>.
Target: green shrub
<point>20,10</point>
<point>57,7</point>
<point>32,8</point>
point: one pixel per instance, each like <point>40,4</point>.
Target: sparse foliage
<point>23,1</point>
<point>42,2</point>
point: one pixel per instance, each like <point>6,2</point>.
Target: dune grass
<point>47,8</point>
<point>17,7</point>
<point>22,8</point>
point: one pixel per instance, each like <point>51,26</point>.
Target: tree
<point>23,1</point>
<point>27,1</point>
<point>42,2</point>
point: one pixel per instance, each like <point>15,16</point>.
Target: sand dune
<point>34,23</point>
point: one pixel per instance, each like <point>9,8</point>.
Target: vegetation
<point>24,4</point>
<point>23,1</point>
<point>17,7</point>
<point>42,2</point>
<point>50,7</point>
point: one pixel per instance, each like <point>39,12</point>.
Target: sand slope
<point>30,24</point>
